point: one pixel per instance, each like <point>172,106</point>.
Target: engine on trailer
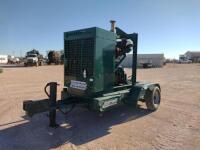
<point>120,76</point>
<point>93,77</point>
<point>123,46</point>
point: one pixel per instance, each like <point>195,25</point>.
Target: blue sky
<point>164,26</point>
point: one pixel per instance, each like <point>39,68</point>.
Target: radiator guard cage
<point>92,50</point>
<point>79,55</point>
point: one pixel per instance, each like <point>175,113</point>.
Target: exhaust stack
<point>112,25</point>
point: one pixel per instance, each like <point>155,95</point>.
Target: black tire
<point>41,64</point>
<point>152,99</point>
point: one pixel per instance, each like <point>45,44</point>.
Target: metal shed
<point>194,56</point>
<point>156,60</point>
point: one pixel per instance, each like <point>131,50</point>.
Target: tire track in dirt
<point>182,127</point>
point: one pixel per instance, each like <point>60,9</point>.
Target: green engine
<point>89,61</point>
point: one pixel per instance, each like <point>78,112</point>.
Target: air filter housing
<point>89,60</point>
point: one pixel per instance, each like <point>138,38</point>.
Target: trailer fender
<point>138,91</point>
<point>151,86</point>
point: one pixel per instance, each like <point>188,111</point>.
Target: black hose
<point>45,89</point>
<point>65,113</point>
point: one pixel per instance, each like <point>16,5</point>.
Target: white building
<point>3,59</point>
<point>194,56</point>
<point>156,60</point>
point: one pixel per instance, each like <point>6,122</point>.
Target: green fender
<point>138,91</point>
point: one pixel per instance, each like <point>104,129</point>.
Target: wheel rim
<point>156,97</point>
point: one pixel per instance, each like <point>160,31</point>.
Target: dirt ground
<point>175,125</point>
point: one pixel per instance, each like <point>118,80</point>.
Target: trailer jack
<point>51,104</point>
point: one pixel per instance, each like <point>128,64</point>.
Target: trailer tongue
<point>93,76</point>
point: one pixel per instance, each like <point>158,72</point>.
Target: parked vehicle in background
<point>146,65</point>
<point>13,60</point>
<point>62,58</point>
<point>194,56</point>
<point>33,58</point>
<point>187,61</point>
<point>55,57</point>
<point>1,70</point>
<point>184,60</point>
<point>3,59</point>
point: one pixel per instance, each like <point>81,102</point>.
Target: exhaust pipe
<point>112,25</point>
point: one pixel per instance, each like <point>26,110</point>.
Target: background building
<point>3,59</point>
<point>156,60</point>
<point>194,56</point>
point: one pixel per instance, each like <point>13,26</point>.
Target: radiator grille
<point>79,55</point>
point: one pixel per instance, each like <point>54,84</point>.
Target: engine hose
<point>45,89</point>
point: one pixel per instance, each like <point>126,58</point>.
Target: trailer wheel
<point>152,99</point>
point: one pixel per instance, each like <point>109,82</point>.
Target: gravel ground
<point>175,125</point>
